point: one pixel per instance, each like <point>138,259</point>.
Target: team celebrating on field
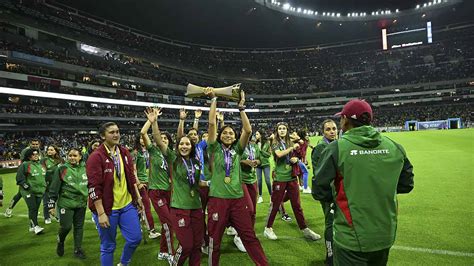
<point>203,186</point>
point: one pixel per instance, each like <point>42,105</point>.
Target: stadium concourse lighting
<point>80,98</point>
<point>286,6</point>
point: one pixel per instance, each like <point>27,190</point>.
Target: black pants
<point>343,257</point>
<point>32,202</point>
<point>69,218</point>
<point>328,221</point>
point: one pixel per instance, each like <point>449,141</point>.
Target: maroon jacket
<point>300,153</point>
<point>100,174</point>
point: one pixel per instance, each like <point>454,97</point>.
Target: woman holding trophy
<point>227,204</point>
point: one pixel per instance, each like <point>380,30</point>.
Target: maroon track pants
<point>188,227</point>
<point>204,194</point>
<point>292,191</point>
<point>160,199</point>
<point>221,213</point>
<point>251,194</point>
<point>147,207</point>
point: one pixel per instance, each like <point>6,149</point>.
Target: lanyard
<point>227,160</point>
<point>284,148</point>
<point>326,140</point>
<point>147,157</point>
<point>116,159</point>
<point>190,171</point>
<point>250,152</point>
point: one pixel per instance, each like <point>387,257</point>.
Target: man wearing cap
<point>362,172</point>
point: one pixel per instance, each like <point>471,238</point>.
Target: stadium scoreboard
<point>407,38</point>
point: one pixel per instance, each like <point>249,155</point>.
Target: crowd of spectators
<point>341,68</point>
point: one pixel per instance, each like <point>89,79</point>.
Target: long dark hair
<point>263,137</point>
<point>277,139</point>
<point>237,135</point>
<point>170,139</point>
<point>78,150</point>
<point>136,145</point>
<point>192,154</point>
<point>57,158</point>
<point>28,153</point>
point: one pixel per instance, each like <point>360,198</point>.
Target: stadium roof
<point>249,24</point>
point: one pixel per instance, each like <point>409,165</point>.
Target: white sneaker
<point>231,231</point>
<point>268,233</point>
<point>307,190</point>
<point>31,229</point>
<point>170,260</point>
<point>205,250</point>
<point>163,256</point>
<point>47,221</point>
<point>8,213</point>
<point>260,199</point>
<point>38,229</point>
<point>153,234</point>
<point>238,243</point>
<point>309,234</point>
<point>301,188</point>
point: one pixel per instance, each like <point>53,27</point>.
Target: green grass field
<point>436,220</point>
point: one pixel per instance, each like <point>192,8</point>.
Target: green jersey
<point>50,164</point>
<point>222,171</point>
<point>249,175</point>
<point>33,175</point>
<point>363,172</point>
<point>265,153</point>
<point>283,168</point>
<point>158,172</point>
<point>69,186</point>
<point>140,158</point>
<point>185,182</point>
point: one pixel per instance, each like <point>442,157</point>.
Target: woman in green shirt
<point>263,168</point>
<point>50,162</point>
<point>31,179</point>
<point>186,209</point>
<point>69,191</point>
<point>284,184</point>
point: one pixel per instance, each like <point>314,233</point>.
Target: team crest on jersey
<point>160,203</point>
<point>108,171</point>
<point>181,223</point>
<point>28,196</point>
<point>277,187</point>
<point>63,211</point>
<point>107,161</point>
<point>215,216</point>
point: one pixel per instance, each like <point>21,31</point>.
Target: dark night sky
<point>234,23</point>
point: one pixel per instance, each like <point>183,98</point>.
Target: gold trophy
<point>231,92</point>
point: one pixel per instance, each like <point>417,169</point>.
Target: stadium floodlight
<point>373,13</point>
<point>80,98</point>
<point>333,14</point>
<point>286,6</point>
<point>348,14</point>
<point>338,14</point>
<point>429,3</point>
<point>361,14</point>
<point>424,5</point>
<point>397,10</point>
<point>376,13</point>
<point>316,13</point>
<point>298,10</point>
<point>311,12</point>
<point>324,14</point>
<point>417,6</point>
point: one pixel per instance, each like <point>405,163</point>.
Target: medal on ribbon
<point>228,164</point>
<point>190,173</point>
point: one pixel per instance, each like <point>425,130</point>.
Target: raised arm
<point>285,152</point>
<point>212,130</point>
<point>197,115</point>
<point>144,131</point>
<point>156,131</point>
<point>246,127</point>
<point>182,117</point>
<point>220,118</point>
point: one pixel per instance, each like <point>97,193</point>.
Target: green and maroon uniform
<point>50,164</point>
<point>227,204</point>
<point>140,158</point>
<point>249,178</point>
<point>186,209</point>
<point>69,191</point>
<point>363,172</point>
<point>285,183</point>
<point>327,206</point>
<point>30,177</point>
<point>159,191</point>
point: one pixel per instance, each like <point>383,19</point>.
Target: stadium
<point>69,67</point>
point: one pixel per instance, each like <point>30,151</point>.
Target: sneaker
<point>307,190</point>
<point>260,199</point>
<point>79,253</point>
<point>31,229</point>
<point>231,231</point>
<point>309,234</point>
<point>205,250</point>
<point>268,233</point>
<point>153,234</point>
<point>163,256</point>
<point>38,230</point>
<point>60,249</point>
<point>8,213</point>
<point>285,217</point>
<point>238,243</point>
<point>301,188</point>
<point>47,221</point>
<point>170,260</point>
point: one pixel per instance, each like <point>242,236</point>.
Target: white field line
<point>412,249</point>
